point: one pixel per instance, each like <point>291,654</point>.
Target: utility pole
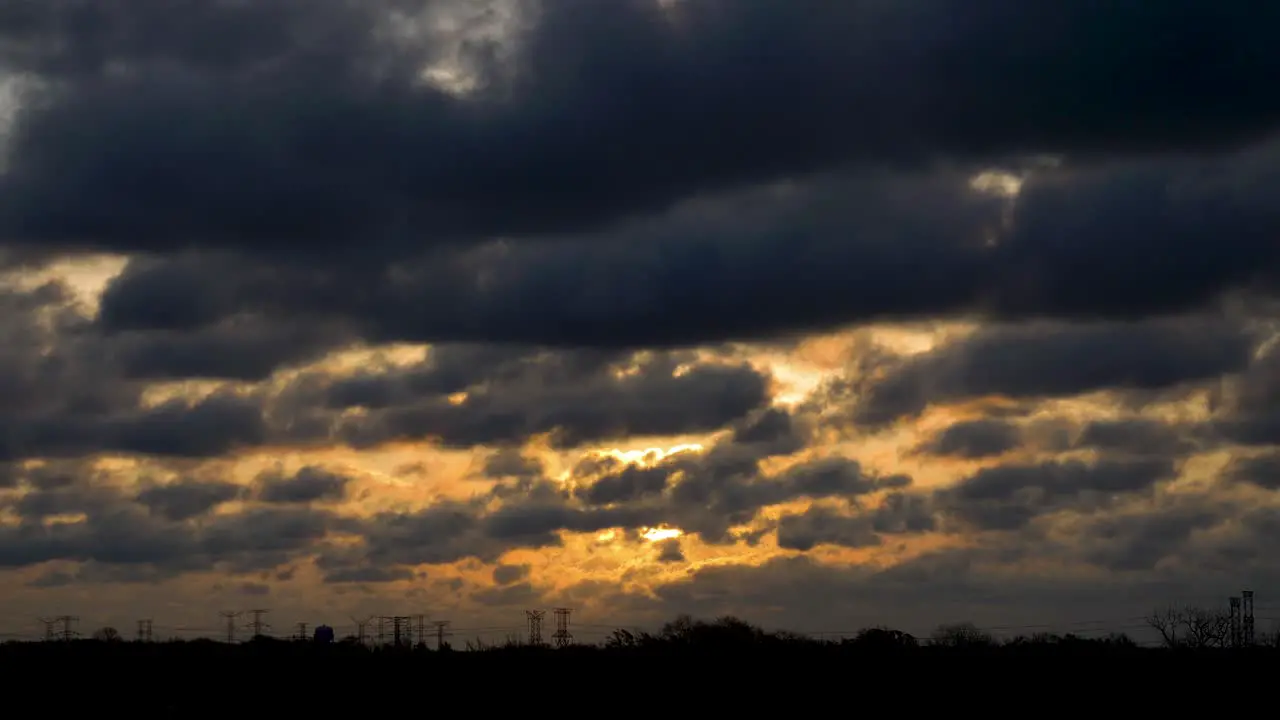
<point>144,630</point>
<point>535,626</point>
<point>440,633</point>
<point>562,636</point>
<point>257,625</point>
<point>302,631</point>
<point>231,624</point>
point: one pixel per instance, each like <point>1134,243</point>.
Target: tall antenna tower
<point>231,623</point>
<point>535,626</point>
<point>440,633</point>
<point>302,631</point>
<point>1237,624</point>
<point>1247,601</point>
<point>144,630</point>
<point>562,636</point>
<point>361,627</point>
<point>257,626</point>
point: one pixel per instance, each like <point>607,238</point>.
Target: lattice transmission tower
<point>67,632</point>
<point>1236,622</point>
<point>362,627</point>
<point>144,630</point>
<point>562,636</point>
<point>401,630</point>
<point>1247,617</point>
<point>231,623</point>
<point>535,625</point>
<point>257,625</point>
<point>441,633</point>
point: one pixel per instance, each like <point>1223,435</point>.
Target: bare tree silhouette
<point>1191,627</point>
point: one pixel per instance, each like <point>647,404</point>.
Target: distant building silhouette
<point>323,634</point>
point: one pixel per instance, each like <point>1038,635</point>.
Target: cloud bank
<point>639,307</point>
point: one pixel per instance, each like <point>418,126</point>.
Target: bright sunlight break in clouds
<point>822,314</point>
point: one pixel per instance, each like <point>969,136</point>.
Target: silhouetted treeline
<point>728,658</point>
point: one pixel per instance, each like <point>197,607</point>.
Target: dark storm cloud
<point>309,484</point>
<point>706,493</point>
<point>992,437</point>
<point>669,551</point>
<point>1139,436</point>
<point>71,392</point>
<point>65,396</point>
<point>185,500</point>
<point>1008,497</point>
<point>575,396</point>
<point>509,574</point>
<point>630,483</point>
<point>1052,360</point>
<point>511,463</point>
<point>114,531</point>
<point>521,594</point>
<point>899,513</point>
<point>862,246</point>
<point>973,439</point>
<point>367,575</point>
<point>290,131</point>
<point>1108,562</point>
<point>1138,541</point>
<point>212,426</point>
<point>257,125</point>
<point>1248,408</point>
<point>822,526</point>
<point>236,349</point>
<point>1261,471</point>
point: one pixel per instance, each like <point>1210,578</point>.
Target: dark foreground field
<point>702,668</point>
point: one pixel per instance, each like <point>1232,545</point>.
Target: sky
<point>824,315</point>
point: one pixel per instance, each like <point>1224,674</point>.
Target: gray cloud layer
<point>256,126</point>
<point>297,144</point>
<point>285,184</point>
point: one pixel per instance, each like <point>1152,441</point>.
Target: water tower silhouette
<point>323,634</point>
